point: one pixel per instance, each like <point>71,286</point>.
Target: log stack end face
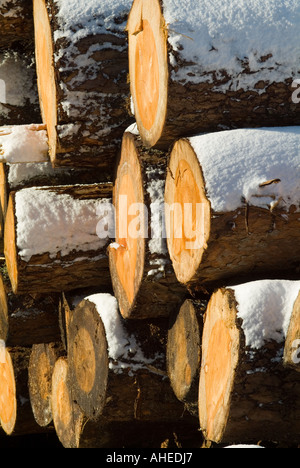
<point>148,68</point>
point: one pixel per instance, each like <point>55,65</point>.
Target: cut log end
<point>3,311</point>
<point>10,243</point>
<point>8,402</point>
<point>187,211</point>
<point>45,72</point>
<point>67,416</point>
<point>184,352</point>
<point>291,356</point>
<point>220,345</point>
<point>127,261</point>
<point>148,68</point>
<point>88,359</point>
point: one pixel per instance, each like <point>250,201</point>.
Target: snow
<point>244,446</point>
<point>23,143</point>
<point>265,307</point>
<point>90,17</point>
<point>236,162</point>
<point>22,87</point>
<point>58,223</point>
<point>222,36</point>
<point>19,174</point>
<point>123,349</point>
<point>7,9</point>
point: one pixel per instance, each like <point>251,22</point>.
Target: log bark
<point>183,352</point>
<point>292,342</point>
<point>245,392</point>
<point>82,82</point>
<point>192,71</point>
<point>16,23</point>
<point>19,103</point>
<point>232,207</point>
<point>70,251</point>
<point>40,370</point>
<point>28,319</point>
<point>16,415</point>
<point>142,275</point>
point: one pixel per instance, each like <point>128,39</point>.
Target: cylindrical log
<point>184,352</point>
<point>16,23</point>
<point>201,68</point>
<point>82,67</point>
<point>232,207</point>
<point>75,431</point>
<point>69,227</point>
<point>28,319</point>
<point>41,366</point>
<point>19,102</point>
<point>292,343</point>
<point>117,369</point>
<point>104,348</point>
<point>16,417</point>
<point>142,275</point>
<point>245,391</point>
<point>14,177</point>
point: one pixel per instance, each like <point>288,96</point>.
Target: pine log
<point>75,431</point>
<point>292,342</point>
<point>68,225</point>
<point>183,352</point>
<point>195,69</point>
<point>19,102</point>
<point>28,319</point>
<point>16,417</point>
<point>142,275</point>
<point>245,391</point>
<point>40,370</point>
<point>106,353</point>
<point>232,207</point>
<point>16,23</point>
<point>81,56</point>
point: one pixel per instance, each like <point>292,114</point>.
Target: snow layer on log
<point>224,38</point>
<point>265,308</point>
<point>122,347</point>
<point>259,166</point>
<point>20,173</point>
<point>23,143</point>
<point>9,10</point>
<point>58,222</point>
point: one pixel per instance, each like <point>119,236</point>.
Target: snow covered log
<point>183,352</point>
<point>23,144</point>
<point>19,103</point>
<point>246,393</point>
<point>16,23</point>
<point>28,319</point>
<point>69,228</point>
<point>16,417</point>
<point>292,343</point>
<point>142,275</point>
<point>212,66</point>
<point>81,55</point>
<point>107,353</point>
<point>232,206</point>
<point>40,370</point>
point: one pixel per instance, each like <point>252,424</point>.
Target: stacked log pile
<point>149,190</point>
